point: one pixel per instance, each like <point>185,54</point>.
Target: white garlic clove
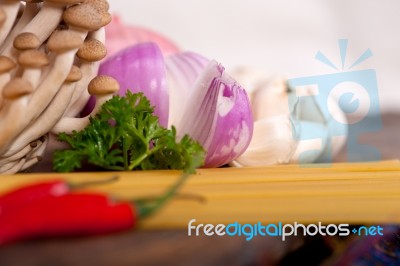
<point>273,142</point>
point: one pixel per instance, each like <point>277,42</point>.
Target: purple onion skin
<point>183,69</point>
<point>141,68</point>
<point>233,128</point>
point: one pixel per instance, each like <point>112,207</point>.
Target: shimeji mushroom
<point>103,88</point>
<point>99,4</point>
<point>86,17</point>
<point>13,112</point>
<point>75,74</point>
<point>64,44</point>
<point>3,16</point>
<point>10,8</point>
<point>89,70</point>
<point>43,82</point>
<point>46,121</point>
<point>31,9</point>
<point>25,159</point>
<point>92,50</point>
<point>32,61</point>
<point>6,65</point>
<point>81,19</point>
<point>26,40</point>
<point>35,155</point>
<point>48,18</point>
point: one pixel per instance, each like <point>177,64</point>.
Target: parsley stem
<point>125,153</point>
<point>140,159</point>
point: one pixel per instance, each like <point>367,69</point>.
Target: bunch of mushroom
<point>49,58</point>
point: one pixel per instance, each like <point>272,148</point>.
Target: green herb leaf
<point>125,135</point>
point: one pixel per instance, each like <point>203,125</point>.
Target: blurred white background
<point>280,36</point>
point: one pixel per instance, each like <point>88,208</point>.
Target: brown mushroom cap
<point>65,2</point>
<point>74,75</point>
<point>26,40</point>
<point>33,1</point>
<point>33,59</point>
<point>100,4</point>
<point>86,16</point>
<point>17,87</point>
<point>92,50</point>
<point>3,16</point>
<point>63,40</point>
<point>101,85</point>
<point>6,64</point>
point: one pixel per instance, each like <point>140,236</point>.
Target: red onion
<point>141,68</point>
<point>183,69</point>
<point>218,116</point>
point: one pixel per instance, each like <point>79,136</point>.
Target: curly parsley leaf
<point>125,135</point>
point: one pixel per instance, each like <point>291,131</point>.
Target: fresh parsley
<point>125,135</point>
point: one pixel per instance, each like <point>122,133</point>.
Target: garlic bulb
<point>309,138</point>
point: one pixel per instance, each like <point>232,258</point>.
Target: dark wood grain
<point>148,248</point>
<point>175,247</point>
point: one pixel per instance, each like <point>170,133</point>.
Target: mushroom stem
<point>4,79</point>
<point>46,21</point>
<point>31,162</point>
<point>12,167</point>
<point>81,95</point>
<point>30,12</point>
<point>89,71</point>
<point>35,155</point>
<point>33,75</point>
<point>69,124</point>
<point>12,117</point>
<point>6,67</point>
<point>32,61</point>
<point>29,155</point>
<point>20,154</point>
<point>103,88</point>
<point>45,121</point>
<point>10,8</point>
<point>51,84</point>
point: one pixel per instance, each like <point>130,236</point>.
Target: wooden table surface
<point>175,247</point>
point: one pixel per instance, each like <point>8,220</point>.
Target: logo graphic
<point>279,229</point>
<point>355,93</point>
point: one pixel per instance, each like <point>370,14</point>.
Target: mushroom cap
<point>74,75</point>
<point>100,4</point>
<point>92,50</point>
<point>17,87</point>
<point>3,16</point>
<point>86,16</point>
<point>102,84</point>
<point>26,40</point>
<point>6,64</point>
<point>65,2</point>
<point>64,40</point>
<point>33,59</point>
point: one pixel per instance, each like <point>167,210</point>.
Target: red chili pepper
<point>67,215</point>
<point>75,214</point>
<point>56,187</point>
